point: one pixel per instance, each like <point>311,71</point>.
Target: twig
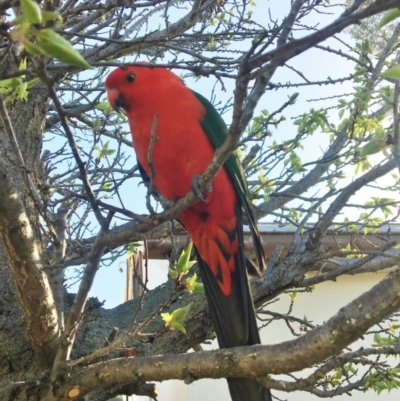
<point>251,155</point>
<point>78,306</point>
<point>273,259</point>
<point>324,223</point>
<point>149,318</point>
<point>75,151</point>
<point>346,269</point>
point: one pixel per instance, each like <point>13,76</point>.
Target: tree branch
<point>33,288</point>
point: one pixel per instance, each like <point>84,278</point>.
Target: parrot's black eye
<point>130,77</point>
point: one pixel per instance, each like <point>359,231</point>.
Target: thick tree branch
<point>32,284</point>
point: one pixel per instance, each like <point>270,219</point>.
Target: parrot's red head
<point>128,86</point>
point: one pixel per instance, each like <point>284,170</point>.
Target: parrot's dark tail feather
<point>234,318</point>
<point>248,390</point>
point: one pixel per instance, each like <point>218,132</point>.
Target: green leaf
<point>292,98</point>
<point>191,281</point>
<point>22,64</point>
<point>107,185</point>
<point>121,116</point>
<point>374,146</point>
<point>32,82</point>
<point>105,106</point>
<point>58,47</point>
<point>33,49</point>
<point>31,11</point>
<point>166,317</point>
<point>174,320</point>
<point>52,16</point>
<point>174,274</point>
<point>198,287</point>
<point>351,368</point>
<point>178,326</point>
<point>179,314</point>
<point>393,72</point>
<point>104,151</point>
<point>389,17</point>
<point>6,83</point>
<point>132,249</point>
<point>183,265</point>
<point>22,92</point>
<point>354,228</point>
<point>96,124</point>
<point>191,285</point>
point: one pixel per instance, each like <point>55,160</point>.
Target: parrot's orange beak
<point>115,98</point>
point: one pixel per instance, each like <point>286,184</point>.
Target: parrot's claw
<point>196,189</point>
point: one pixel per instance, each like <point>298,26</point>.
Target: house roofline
<point>274,234</point>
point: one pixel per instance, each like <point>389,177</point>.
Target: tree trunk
<point>17,362</point>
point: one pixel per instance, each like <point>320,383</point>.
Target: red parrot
<point>188,130</point>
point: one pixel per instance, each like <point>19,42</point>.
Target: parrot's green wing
<point>217,131</point>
